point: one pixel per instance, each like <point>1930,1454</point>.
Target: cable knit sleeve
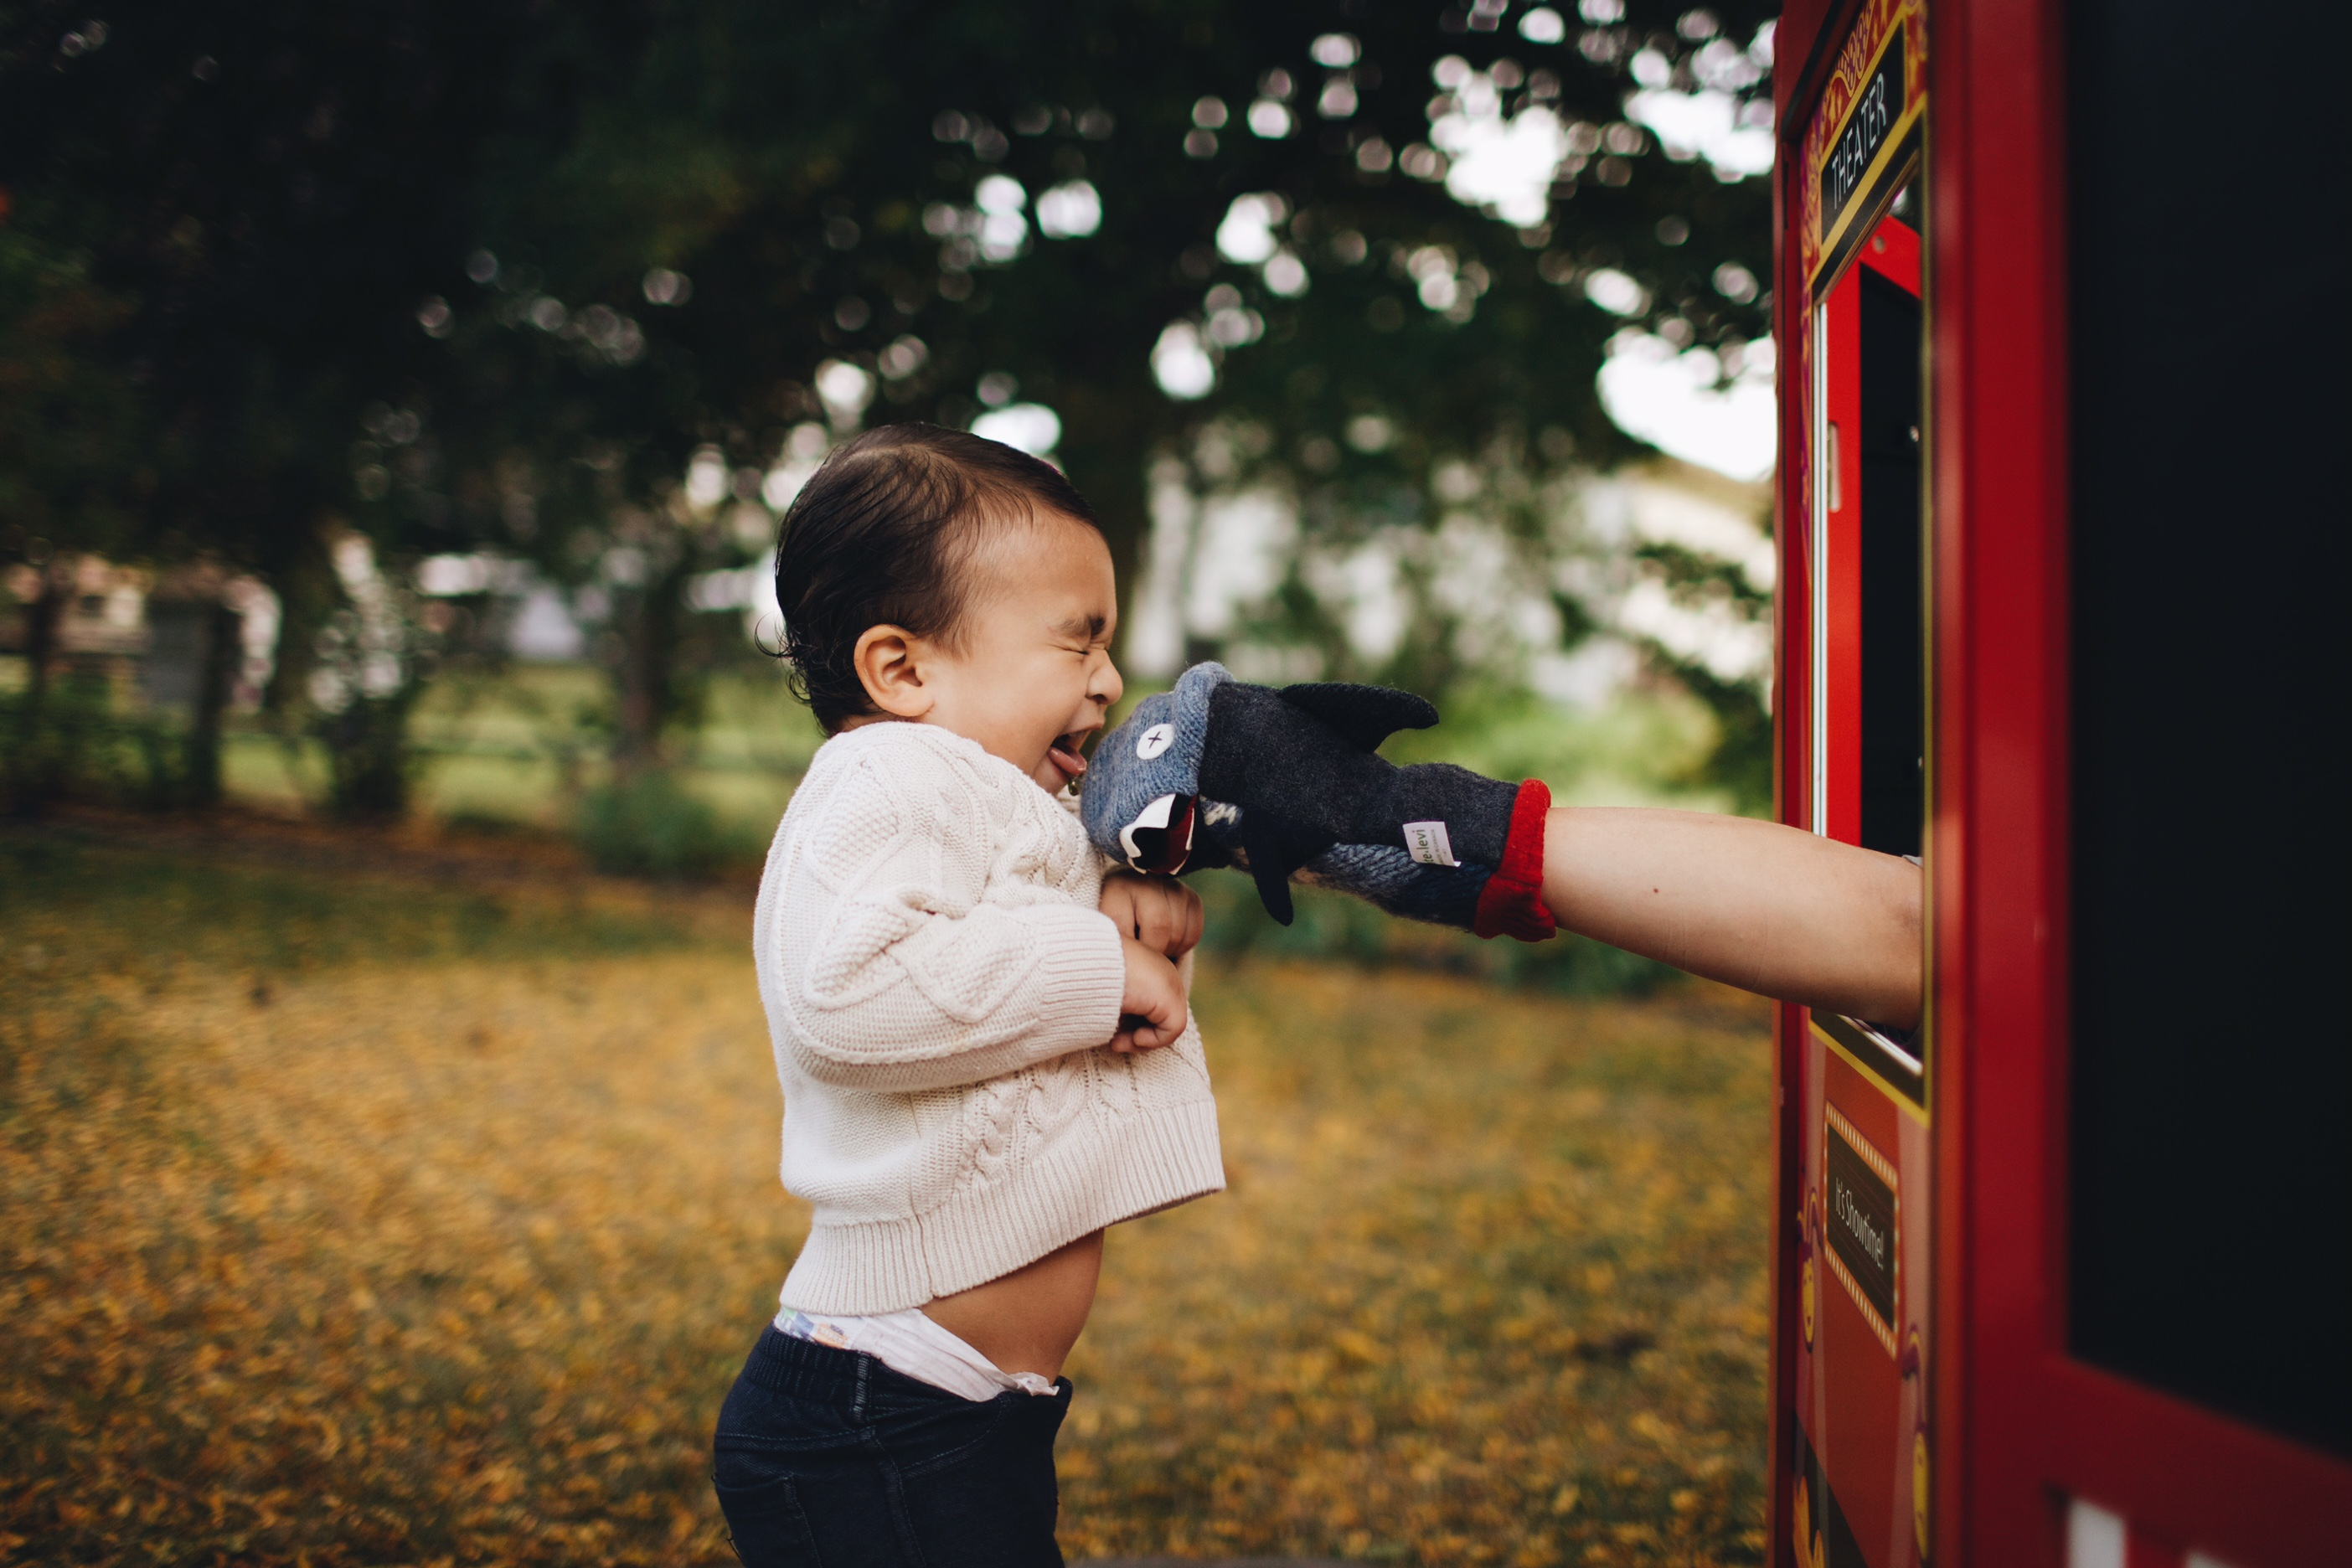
<point>895,973</point>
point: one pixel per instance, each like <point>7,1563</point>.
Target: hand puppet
<point>1290,783</point>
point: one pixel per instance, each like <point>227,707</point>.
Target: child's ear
<point>888,660</point>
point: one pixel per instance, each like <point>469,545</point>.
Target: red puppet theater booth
<point>2063,1276</point>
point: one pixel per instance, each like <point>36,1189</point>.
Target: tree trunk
<point>224,651</point>
<point>1108,452</point>
<point>369,763</point>
<point>41,617</point>
<point>647,689</point>
<point>305,585</point>
<point>1121,495</point>
<point>32,770</point>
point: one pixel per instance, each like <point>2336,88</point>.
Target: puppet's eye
<point>1155,741</point>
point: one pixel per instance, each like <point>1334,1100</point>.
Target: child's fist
<point>1152,1011</point>
<point>1161,912</point>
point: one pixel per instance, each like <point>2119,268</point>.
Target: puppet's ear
<point>1363,716</point>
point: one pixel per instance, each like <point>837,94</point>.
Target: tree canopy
<point>563,282</point>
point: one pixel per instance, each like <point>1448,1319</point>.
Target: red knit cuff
<point>1511,903</point>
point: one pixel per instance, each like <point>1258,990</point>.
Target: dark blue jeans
<point>829,1459</point>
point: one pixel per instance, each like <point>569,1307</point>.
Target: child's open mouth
<point>1065,754</point>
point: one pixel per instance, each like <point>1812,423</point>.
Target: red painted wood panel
<point>1841,458</point>
<point>1800,23</point>
<point>2020,1424</point>
<point>1998,837</point>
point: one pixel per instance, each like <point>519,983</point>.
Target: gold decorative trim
<point>1884,1169</point>
<point>1883,25</point>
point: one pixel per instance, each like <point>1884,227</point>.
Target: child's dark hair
<point>880,535</point>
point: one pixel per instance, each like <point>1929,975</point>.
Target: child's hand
<point>1151,1008</point>
<point>1161,912</point>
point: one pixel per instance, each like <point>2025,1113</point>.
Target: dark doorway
<point>1894,776</point>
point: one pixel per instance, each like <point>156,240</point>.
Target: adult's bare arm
<point>1767,908</point>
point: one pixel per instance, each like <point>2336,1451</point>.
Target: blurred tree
<point>594,284</point>
<point>66,423</point>
<point>260,192</point>
<point>1093,206</point>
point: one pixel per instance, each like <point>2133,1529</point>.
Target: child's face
<point>1029,676</point>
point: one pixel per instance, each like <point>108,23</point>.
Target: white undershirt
<point>912,1343</point>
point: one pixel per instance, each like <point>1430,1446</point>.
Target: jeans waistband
<point>804,1370</point>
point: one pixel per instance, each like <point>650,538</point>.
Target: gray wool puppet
<point>1290,783</point>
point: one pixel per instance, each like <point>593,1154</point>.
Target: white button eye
<point>1155,741</point>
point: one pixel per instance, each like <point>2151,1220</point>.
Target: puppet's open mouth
<point>1065,754</point>
<point>1159,840</point>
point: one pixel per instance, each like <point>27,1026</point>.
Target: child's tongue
<point>1066,757</point>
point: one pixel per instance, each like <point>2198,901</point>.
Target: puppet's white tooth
<point>1155,815</point>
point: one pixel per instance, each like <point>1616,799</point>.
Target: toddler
<point>984,1045</point>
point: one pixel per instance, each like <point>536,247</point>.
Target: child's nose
<point>1107,684</point>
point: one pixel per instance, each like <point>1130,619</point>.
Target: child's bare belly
<point>1027,1321</point>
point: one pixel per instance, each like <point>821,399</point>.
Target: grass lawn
<point>370,1202</point>
<point>518,747</point>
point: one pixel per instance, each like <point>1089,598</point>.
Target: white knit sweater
<point>938,982</point>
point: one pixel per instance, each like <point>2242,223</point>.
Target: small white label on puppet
<point>1426,842</point>
<point>1154,741</point>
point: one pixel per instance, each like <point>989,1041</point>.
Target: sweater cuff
<point>1081,980</point>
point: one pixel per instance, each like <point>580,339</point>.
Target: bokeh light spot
<point>1336,50</point>
<point>1180,363</point>
<point>1071,210</point>
<point>1031,428</point>
<point>1543,26</point>
<point>1269,118</point>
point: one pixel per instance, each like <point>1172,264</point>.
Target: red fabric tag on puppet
<point>1511,903</point>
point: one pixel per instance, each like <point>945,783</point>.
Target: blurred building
<point>151,636</point>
